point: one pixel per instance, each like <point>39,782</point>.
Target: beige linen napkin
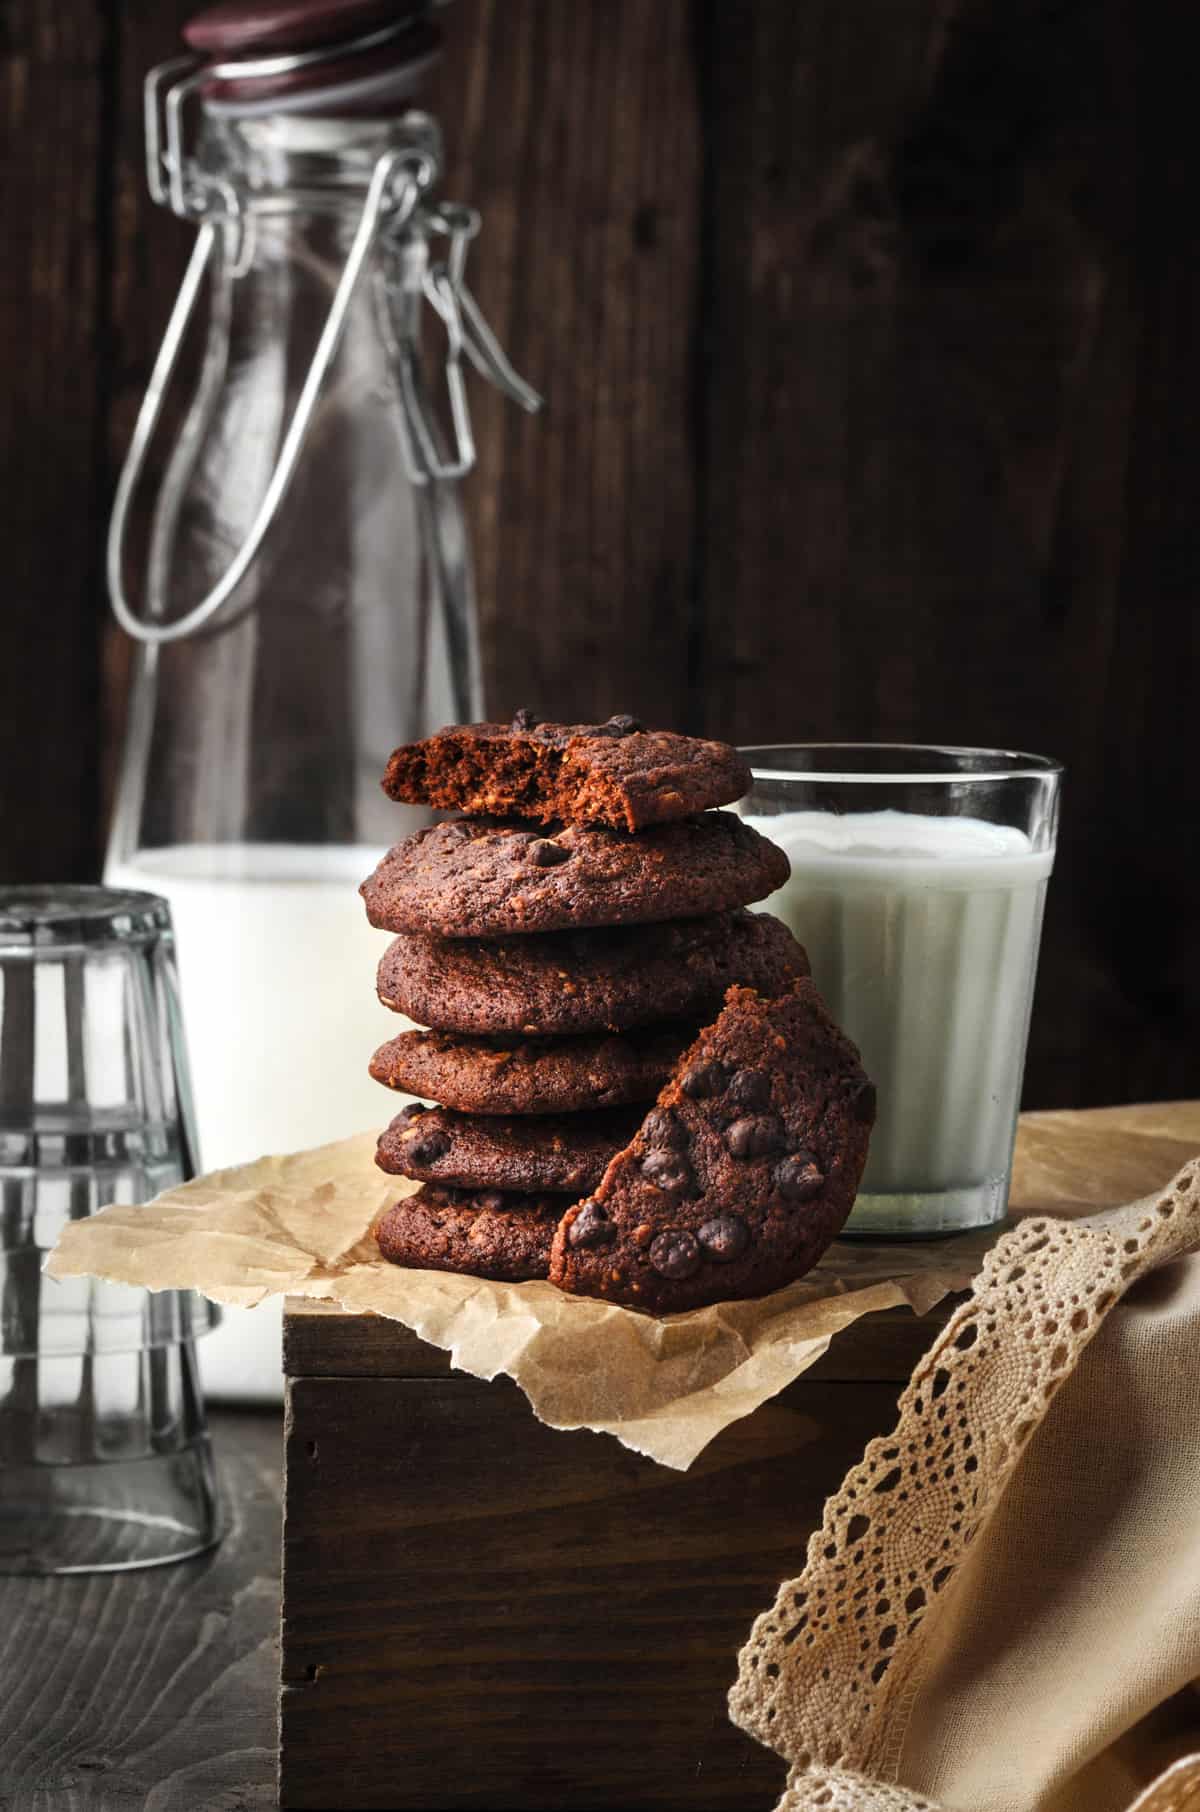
<point>1001,1611</point>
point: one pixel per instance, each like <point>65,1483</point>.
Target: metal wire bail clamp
<point>399,180</point>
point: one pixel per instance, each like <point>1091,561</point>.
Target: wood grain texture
<point>480,1612</point>
<point>322,1341</point>
<point>53,149</point>
<point>942,478</point>
<point>150,249</point>
<point>908,299</point>
<point>870,358</point>
<point>153,1691</point>
<point>576,131</point>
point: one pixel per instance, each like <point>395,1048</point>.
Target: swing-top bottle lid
<point>314,56</point>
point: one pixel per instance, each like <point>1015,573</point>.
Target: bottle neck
<point>293,161</point>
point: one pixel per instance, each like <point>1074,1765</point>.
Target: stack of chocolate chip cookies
<point>641,1096</point>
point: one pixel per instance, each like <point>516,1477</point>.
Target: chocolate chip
<point>591,1227</point>
<point>799,1177</point>
<point>675,1253</point>
<point>703,1079</point>
<point>621,725</point>
<point>860,1094</point>
<point>428,1147</point>
<point>724,1238</point>
<point>661,1128</point>
<point>413,1111</point>
<point>749,1088</point>
<point>757,1136</point>
<point>668,1171</point>
<point>525,719</point>
<point>545,854</point>
<point>491,1199</point>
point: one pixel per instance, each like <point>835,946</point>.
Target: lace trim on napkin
<point>829,1674</point>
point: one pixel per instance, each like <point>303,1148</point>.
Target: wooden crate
<point>479,1611</point>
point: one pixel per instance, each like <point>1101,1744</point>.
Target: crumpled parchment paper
<point>301,1225</point>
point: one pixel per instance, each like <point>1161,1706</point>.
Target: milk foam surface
<point>931,852</point>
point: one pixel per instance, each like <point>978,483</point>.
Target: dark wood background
<point>869,329</point>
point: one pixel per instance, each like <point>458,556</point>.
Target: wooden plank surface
<point>481,1612</point>
<point>153,1691</point>
<point>322,1341</point>
<point>943,453</point>
<point>576,131</point>
<point>150,249</point>
<point>53,151</point>
<point>869,358</point>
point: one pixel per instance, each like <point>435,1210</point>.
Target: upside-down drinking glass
<point>105,1460</point>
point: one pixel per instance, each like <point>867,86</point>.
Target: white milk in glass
<point>923,935</point>
<point>277,975</point>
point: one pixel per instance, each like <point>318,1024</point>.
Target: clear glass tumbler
<point>105,1461</point>
<point>918,881</point>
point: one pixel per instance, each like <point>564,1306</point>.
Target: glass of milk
<point>918,881</point>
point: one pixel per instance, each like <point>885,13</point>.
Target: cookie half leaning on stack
<point>578,946</point>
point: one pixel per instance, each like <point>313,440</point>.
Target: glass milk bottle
<point>306,601</point>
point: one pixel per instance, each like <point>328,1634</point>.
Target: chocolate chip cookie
<point>480,1232</point>
<point>610,978</point>
<point>743,1172</point>
<point>616,773</point>
<point>531,1075</point>
<point>541,1154</point>
<point>492,877</point>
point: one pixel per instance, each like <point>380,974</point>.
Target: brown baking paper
<point>301,1225</point>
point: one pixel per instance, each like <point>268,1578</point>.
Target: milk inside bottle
<point>276,968</point>
<point>922,931</point>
